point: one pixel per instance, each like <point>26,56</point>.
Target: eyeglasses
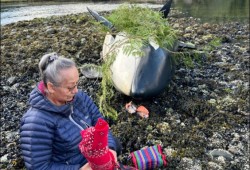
<point>70,88</point>
<point>73,87</point>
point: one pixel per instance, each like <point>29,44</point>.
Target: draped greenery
<point>140,24</point>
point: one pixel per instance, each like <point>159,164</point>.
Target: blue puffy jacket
<point>50,134</point>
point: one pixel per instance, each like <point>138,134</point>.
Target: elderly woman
<point>50,129</point>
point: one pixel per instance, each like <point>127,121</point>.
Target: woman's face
<point>67,89</point>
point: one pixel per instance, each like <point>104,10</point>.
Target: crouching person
<point>59,111</point>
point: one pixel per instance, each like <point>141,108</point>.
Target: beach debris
<point>140,110</point>
<point>130,107</point>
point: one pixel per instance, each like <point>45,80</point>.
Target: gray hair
<point>50,66</point>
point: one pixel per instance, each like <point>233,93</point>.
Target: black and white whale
<point>134,75</point>
<point>139,76</point>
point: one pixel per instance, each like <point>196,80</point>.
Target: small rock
<point>221,152</point>
<point>4,158</point>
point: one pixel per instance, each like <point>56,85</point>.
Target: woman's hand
<point>86,167</point>
<point>114,154</point>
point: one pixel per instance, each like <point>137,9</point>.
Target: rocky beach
<point>201,119</point>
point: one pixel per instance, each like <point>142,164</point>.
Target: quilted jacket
<point>50,135</point>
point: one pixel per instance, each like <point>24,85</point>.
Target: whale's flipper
<point>101,19</point>
<point>166,8</point>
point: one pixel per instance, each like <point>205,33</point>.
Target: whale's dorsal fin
<point>101,19</point>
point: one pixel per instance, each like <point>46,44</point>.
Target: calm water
<point>206,10</point>
<point>215,10</point>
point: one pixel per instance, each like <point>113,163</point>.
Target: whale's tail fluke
<point>166,8</point>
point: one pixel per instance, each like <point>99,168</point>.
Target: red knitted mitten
<point>94,146</point>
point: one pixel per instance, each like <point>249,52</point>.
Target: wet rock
<point>187,163</point>
<point>4,158</point>
<point>214,166</point>
<point>221,154</point>
<point>11,80</point>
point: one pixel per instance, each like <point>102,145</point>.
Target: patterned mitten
<point>94,146</point>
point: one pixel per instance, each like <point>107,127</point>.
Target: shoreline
<point>28,13</point>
